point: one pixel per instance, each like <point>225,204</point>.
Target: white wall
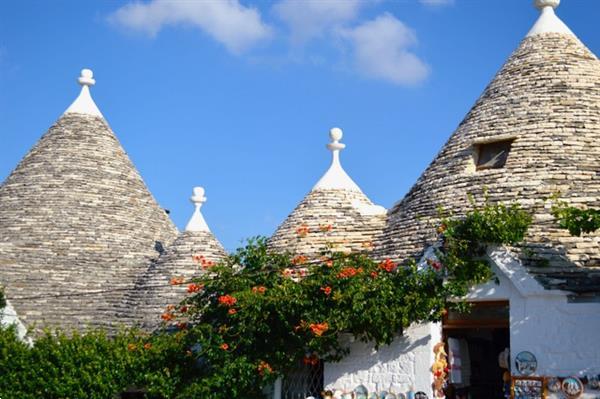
<point>564,337</point>
<point>404,364</point>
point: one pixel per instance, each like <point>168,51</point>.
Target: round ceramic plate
<point>554,385</point>
<point>526,363</point>
<point>572,387</point>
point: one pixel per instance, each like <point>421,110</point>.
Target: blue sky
<point>238,96</point>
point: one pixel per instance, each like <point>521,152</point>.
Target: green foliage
<point>92,365</point>
<point>577,221</point>
<point>258,314</point>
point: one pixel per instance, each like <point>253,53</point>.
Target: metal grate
<point>304,381</point>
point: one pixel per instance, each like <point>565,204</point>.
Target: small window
<point>492,155</point>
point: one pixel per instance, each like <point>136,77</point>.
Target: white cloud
<point>235,26</point>
<point>381,51</point>
<point>436,3</point>
<point>311,18</point>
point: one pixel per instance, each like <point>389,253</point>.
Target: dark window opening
<point>492,155</point>
<point>306,380</point>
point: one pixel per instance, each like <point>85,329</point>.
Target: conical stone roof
<point>334,215</point>
<point>546,100</point>
<point>166,281</point>
<point>77,224</point>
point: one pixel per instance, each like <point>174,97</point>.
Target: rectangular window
<point>492,155</point>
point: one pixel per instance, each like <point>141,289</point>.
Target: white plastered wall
<point>564,337</point>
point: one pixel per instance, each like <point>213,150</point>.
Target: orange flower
<point>224,347</point>
<point>441,228</point>
<point>176,281</point>
<point>148,346</point>
<point>167,316</point>
<point>319,329</point>
<point>259,289</point>
<point>227,300</point>
<point>197,258</point>
<point>299,260</point>
<point>349,272</point>
<point>367,244</point>
<point>303,230</point>
<point>374,274</point>
<point>207,264</point>
<point>325,228</point>
<point>326,290</point>
<point>131,347</point>
<point>232,311</point>
<point>311,360</point>
<point>388,265</point>
<point>170,307</point>
<point>193,287</point>
<point>264,367</point>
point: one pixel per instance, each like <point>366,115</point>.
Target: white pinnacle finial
<point>336,178</point>
<point>197,222</point>
<point>539,4</point>
<point>548,22</point>
<point>84,104</point>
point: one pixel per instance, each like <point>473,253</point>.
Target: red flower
<point>374,274</point>
<point>388,265</point>
<point>349,272</point>
<point>264,367</point>
<point>326,290</point>
<point>227,300</point>
<point>259,289</point>
<point>183,309</point>
<point>436,264</point>
<point>176,281</point>
<point>299,260</point>
<point>182,325</point>
<point>224,347</point>
<point>311,360</point>
<point>232,311</point>
<point>193,287</point>
<point>319,328</point>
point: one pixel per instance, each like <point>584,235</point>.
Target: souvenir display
<point>327,394</point>
<point>391,395</point>
<point>439,370</point>
<point>401,396</point>
<point>360,392</point>
<point>572,387</point>
<point>553,385</point>
<point>594,382</point>
<point>421,395</point>
<point>347,395</point>
<point>373,395</point>
<point>528,388</point>
<point>526,363</point>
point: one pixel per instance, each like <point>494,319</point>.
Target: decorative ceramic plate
<point>572,387</point>
<point>421,395</point>
<point>360,392</point>
<point>391,396</point>
<point>594,382</point>
<point>526,363</point>
<point>553,385</point>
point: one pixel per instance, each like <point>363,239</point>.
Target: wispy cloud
<point>312,18</point>
<point>381,50</point>
<point>436,3</point>
<point>234,25</point>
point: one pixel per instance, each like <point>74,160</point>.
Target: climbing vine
<point>259,314</point>
<point>577,221</point>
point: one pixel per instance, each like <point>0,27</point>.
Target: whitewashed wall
<point>564,337</point>
<point>404,364</point>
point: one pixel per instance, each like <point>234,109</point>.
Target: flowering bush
<point>258,314</point>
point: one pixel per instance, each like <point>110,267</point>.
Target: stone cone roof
<point>334,215</point>
<point>77,226</point>
<point>154,291</point>
<point>547,98</point>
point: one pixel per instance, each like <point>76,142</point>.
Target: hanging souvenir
<point>594,382</point>
<point>421,395</point>
<point>360,392</point>
<point>572,387</point>
<point>553,385</point>
<point>526,363</point>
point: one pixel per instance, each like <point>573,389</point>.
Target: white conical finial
<point>336,177</point>
<point>84,104</point>
<point>197,222</point>
<point>548,22</point>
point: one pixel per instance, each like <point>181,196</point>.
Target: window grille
<point>305,380</point>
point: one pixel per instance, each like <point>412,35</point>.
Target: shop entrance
<point>474,342</point>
